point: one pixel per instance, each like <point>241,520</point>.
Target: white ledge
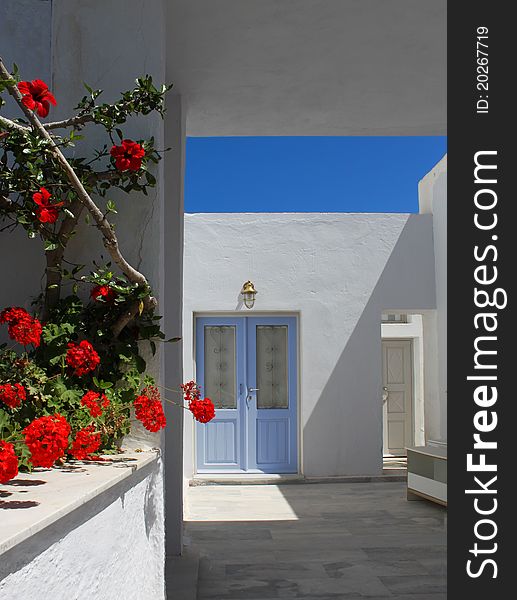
<point>35,500</point>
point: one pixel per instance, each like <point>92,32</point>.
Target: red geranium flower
<point>22,328</point>
<point>12,395</point>
<point>128,156</point>
<point>103,293</point>
<point>95,402</point>
<point>191,391</point>
<point>82,357</point>
<point>203,410</point>
<point>37,96</point>
<point>149,409</point>
<point>46,212</point>
<point>86,443</point>
<point>47,439</point>
<point>8,462</point>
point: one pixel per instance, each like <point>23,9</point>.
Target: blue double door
<point>248,367</point>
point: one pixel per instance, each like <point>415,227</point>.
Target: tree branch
<point>103,176</point>
<point>126,317</point>
<point>109,238</point>
<point>6,204</point>
<point>6,124</point>
<point>54,258</point>
<point>76,121</point>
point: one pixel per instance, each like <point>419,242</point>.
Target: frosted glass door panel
<point>220,380</point>
<point>272,362</point>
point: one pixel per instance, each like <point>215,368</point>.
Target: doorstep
<point>269,479</point>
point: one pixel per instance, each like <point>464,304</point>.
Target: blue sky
<point>308,174</point>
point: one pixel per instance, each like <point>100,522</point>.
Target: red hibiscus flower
<point>95,402</point>
<point>149,409</point>
<point>36,96</point>
<point>82,358</point>
<point>12,395</point>
<point>103,293</point>
<point>203,410</point>
<point>8,462</point>
<point>86,443</point>
<point>22,328</point>
<point>47,439</point>
<point>46,212</point>
<point>128,156</point>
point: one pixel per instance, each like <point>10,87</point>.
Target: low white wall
<point>432,192</point>
<point>111,547</point>
<point>338,272</point>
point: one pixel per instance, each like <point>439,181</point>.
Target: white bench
<point>427,473</point>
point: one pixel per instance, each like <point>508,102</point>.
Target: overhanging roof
<point>309,67</point>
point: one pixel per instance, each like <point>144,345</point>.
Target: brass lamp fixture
<point>249,292</point>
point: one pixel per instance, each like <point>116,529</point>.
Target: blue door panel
<point>220,444</point>
<point>273,431</point>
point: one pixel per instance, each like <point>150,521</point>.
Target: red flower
<point>47,439</point>
<point>128,156</point>
<point>22,328</point>
<point>95,402</point>
<point>191,391</point>
<point>8,462</point>
<point>86,443</point>
<point>103,293</point>
<point>36,96</point>
<point>82,357</point>
<point>12,395</point>
<point>149,409</point>
<point>46,212</point>
<point>203,410</point>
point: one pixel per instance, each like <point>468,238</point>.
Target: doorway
<point>397,396</point>
<point>248,367</point>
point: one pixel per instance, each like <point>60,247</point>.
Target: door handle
<point>249,396</point>
<point>385,394</point>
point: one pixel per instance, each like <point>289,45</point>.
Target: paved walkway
<point>316,541</point>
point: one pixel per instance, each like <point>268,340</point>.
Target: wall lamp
<point>249,292</point>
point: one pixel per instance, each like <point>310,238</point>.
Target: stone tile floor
<point>316,541</point>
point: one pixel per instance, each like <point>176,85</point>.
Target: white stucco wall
<point>432,191</point>
<point>338,273</point>
<point>111,547</point>
<point>65,43</point>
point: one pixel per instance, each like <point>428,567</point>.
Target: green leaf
<point>49,246</point>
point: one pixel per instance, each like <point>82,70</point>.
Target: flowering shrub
<point>203,410</point>
<point>75,373</point>
<point>95,402</point>
<point>12,395</point>
<point>128,156</point>
<point>8,462</point>
<point>149,410</point>
<point>47,439</point>
<point>46,211</point>
<point>36,96</point>
<point>87,442</point>
<point>82,357</point>
<point>23,328</point>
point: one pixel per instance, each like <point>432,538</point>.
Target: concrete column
<point>172,367</point>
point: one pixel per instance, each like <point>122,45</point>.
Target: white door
<point>397,396</point>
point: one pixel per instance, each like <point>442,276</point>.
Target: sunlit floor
<point>316,541</point>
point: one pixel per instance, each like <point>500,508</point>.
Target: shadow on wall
<point>349,409</point>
